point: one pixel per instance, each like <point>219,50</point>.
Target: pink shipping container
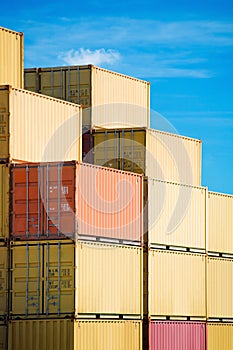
<point>171,335</point>
<point>71,199</point>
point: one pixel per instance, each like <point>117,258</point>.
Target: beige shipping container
<point>109,98</point>
<point>176,284</point>
<point>11,58</point>
<point>71,335</point>
<point>176,214</point>
<point>3,280</point>
<point>36,128</point>
<point>4,201</point>
<point>157,154</point>
<point>219,336</point>
<point>219,288</point>
<point>220,221</point>
<point>59,278</point>
<point>3,336</point>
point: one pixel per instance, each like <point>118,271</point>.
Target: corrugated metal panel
<point>113,98</point>
<point>219,336</point>
<point>114,335</point>
<point>3,336</point>
<point>119,100</point>
<point>3,280</point>
<point>48,199</point>
<point>42,278</point>
<point>11,58</point>
<point>173,157</point>
<point>109,279</point>
<point>176,214</point>
<point>220,209</point>
<point>176,284</point>
<point>41,335</point>
<point>4,200</point>
<point>219,288</point>
<point>46,122</point>
<point>177,335</point>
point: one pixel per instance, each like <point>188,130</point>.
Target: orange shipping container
<point>59,200</point>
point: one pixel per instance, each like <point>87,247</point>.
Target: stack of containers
<point>220,271</point>
<point>76,257</point>
<point>11,72</point>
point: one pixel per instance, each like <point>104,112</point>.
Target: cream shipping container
<point>157,154</point>
<point>37,128</point>
<point>65,334</point>
<point>109,98</point>
<point>176,215</point>
<point>64,279</point>
<point>11,58</point>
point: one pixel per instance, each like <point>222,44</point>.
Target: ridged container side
<point>58,279</point>
<point>60,200</point>
<point>11,58</point>
<point>176,214</point>
<point>220,221</point>
<point>65,334</point>
<point>219,336</point>
<point>177,335</point>
<point>46,122</point>
<point>160,155</point>
<point>3,280</point>
<point>4,201</point>
<point>176,284</point>
<point>3,336</point>
<point>219,288</point>
<point>109,98</point>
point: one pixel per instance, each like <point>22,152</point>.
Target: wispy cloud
<point>87,56</point>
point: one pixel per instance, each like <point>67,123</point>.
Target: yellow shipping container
<point>219,288</point>
<point>3,280</point>
<point>113,99</point>
<point>11,58</point>
<point>176,214</point>
<point>32,127</point>
<point>4,200</point>
<point>220,221</point>
<point>156,154</point>
<point>219,336</point>
<point>3,336</point>
<point>59,278</point>
<point>72,335</point>
<point>176,284</point>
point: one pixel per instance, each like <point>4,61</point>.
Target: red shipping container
<point>174,335</point>
<point>70,199</point>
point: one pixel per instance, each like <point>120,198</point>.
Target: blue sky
<point>184,49</point>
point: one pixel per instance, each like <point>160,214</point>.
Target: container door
<point>106,149</point>
<point>4,124</point>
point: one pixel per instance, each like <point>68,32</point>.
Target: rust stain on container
<point>11,58</point>
<point>60,200</point>
<point>177,335</point>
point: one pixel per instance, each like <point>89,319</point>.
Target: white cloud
<point>87,56</point>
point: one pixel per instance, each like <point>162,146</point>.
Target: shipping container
<point>156,154</point>
<point>110,99</point>
<point>4,201</point>
<point>3,280</point>
<point>176,214</point>
<point>11,58</point>
<point>60,200</point>
<point>61,278</point>
<point>37,128</point>
<point>3,336</point>
<point>62,334</point>
<point>219,336</point>
<point>177,335</point>
<point>219,288</point>
<point>220,221</point>
<point>176,284</point>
